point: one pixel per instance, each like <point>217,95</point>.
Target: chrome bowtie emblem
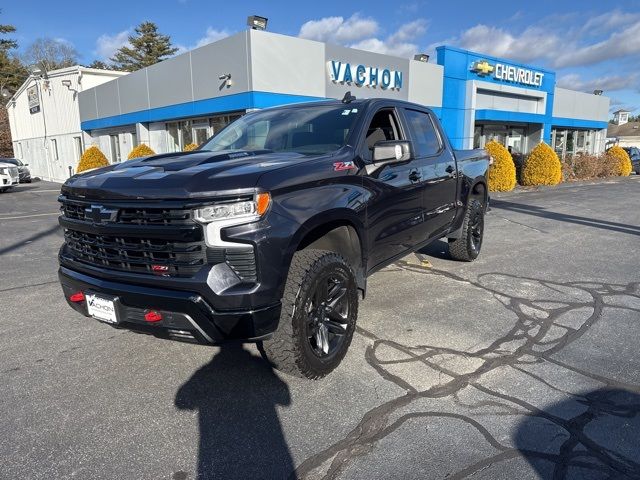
<point>100,214</point>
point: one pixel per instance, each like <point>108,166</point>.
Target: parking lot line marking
<point>29,216</point>
<point>43,191</point>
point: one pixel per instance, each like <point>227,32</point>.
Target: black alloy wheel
<point>328,314</point>
<point>318,316</point>
<point>467,247</point>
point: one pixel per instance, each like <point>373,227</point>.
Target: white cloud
<point>559,44</point>
<point>339,30</point>
<point>359,32</point>
<point>608,21</point>
<point>608,83</point>
<point>212,35</point>
<point>107,45</point>
<point>619,44</point>
<point>532,44</point>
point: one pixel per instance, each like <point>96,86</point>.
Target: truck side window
<point>425,138</point>
<point>383,126</point>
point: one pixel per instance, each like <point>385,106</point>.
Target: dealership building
<point>478,97</point>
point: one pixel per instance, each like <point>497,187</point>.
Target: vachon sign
<point>508,73</point>
<point>363,75</point>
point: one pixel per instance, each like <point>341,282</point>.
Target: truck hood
<point>194,174</point>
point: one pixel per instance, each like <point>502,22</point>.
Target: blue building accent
<point>457,118</point>
<point>228,103</point>
<point>463,66</point>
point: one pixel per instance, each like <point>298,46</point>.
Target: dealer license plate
<point>101,309</point>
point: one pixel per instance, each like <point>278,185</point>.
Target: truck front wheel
<point>467,247</point>
<point>319,310</point>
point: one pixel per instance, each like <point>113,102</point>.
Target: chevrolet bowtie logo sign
<point>100,214</point>
<point>483,67</point>
<point>507,73</point>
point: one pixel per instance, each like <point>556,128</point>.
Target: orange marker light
<point>263,200</point>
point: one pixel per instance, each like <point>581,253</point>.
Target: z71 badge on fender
<point>340,166</point>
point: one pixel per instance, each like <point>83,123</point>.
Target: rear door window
<point>426,141</point>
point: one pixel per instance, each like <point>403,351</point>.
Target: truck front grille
<point>134,254</point>
<point>132,216</point>
<point>151,240</point>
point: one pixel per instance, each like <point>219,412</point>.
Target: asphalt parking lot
<point>523,364</point>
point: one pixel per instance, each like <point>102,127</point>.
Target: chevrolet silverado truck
<point>268,231</point>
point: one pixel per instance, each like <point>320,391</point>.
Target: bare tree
<point>50,54</point>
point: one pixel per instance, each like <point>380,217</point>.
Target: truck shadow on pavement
<point>564,217</point>
<point>518,393</point>
<point>36,236</point>
<point>591,435</point>
<point>236,395</point>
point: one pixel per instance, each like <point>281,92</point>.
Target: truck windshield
<point>310,131</point>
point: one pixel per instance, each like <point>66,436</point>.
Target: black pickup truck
<point>267,233</point>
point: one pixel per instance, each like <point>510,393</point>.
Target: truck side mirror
<point>389,151</point>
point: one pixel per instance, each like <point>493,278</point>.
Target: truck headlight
<point>4,171</point>
<point>248,209</point>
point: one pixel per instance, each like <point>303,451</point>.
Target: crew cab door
<point>395,211</point>
<point>439,183</point>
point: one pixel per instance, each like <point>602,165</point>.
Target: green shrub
<point>621,161</point>
<point>502,174</point>
<point>542,167</point>
<point>92,158</point>
<point>141,150</point>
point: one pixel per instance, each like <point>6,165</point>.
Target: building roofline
<point>64,71</point>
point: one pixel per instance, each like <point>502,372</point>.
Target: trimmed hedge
<point>190,146</point>
<point>502,174</point>
<point>622,163</point>
<point>542,167</point>
<point>141,150</point>
<point>92,158</point>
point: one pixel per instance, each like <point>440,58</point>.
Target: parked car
<point>9,176</point>
<point>23,171</point>
<point>634,155</point>
<point>268,232</point>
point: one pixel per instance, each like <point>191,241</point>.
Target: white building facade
<point>44,118</point>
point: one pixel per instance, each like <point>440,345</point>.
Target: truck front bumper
<point>186,316</point>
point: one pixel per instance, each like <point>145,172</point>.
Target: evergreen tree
<point>12,74</point>
<point>99,64</point>
<point>146,47</point>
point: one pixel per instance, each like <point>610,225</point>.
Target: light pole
<point>37,74</point>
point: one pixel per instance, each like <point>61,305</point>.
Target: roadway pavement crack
<point>536,336</point>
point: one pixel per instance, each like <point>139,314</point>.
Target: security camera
<point>224,76</point>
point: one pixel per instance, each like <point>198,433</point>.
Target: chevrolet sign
<point>508,73</point>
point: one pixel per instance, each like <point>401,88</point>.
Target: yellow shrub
<point>502,174</point>
<point>190,146</point>
<point>141,150</point>
<point>542,167</point>
<point>623,162</point>
<point>92,158</point>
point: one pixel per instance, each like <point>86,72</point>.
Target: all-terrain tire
<point>289,349</point>
<point>467,247</point>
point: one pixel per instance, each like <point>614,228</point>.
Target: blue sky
<point>590,44</point>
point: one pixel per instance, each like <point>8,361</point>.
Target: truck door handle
<point>450,170</point>
<point>415,176</point>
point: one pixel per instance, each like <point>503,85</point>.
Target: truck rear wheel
<point>319,310</point>
<point>467,247</point>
